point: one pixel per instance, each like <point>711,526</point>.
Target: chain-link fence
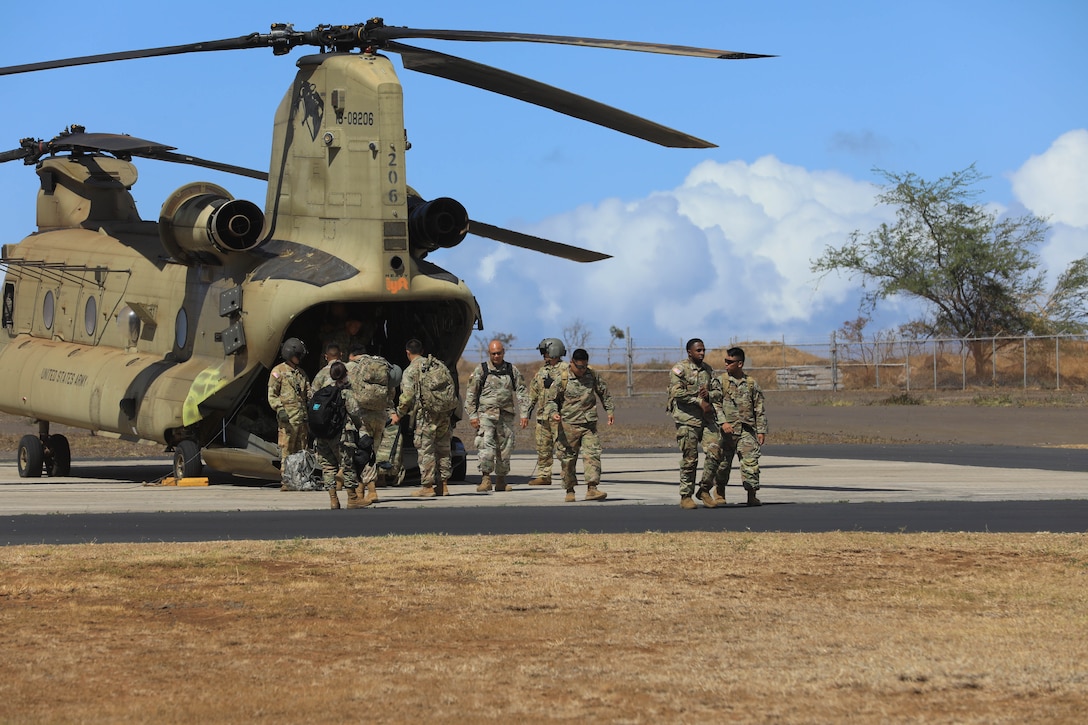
<point>1043,363</point>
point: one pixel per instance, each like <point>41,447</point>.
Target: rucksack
<point>300,471</point>
<point>505,369</point>
<point>370,382</point>
<point>437,393</point>
<point>327,412</point>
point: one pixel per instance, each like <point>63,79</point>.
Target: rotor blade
<point>253,40</point>
<point>14,154</point>
<point>536,244</point>
<point>205,163</point>
<point>525,89</point>
<point>392,33</point>
<point>115,143</point>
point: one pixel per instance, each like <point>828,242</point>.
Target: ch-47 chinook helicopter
<point>166,331</point>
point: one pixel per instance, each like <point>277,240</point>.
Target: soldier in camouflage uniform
<point>332,354</point>
<point>572,404</point>
<point>552,350</point>
<point>336,455</point>
<point>374,383</point>
<point>432,436</point>
<point>494,395</point>
<point>695,400</point>
<point>745,426</point>
<point>288,394</point>
<point>350,336</point>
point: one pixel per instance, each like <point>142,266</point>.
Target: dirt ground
<point>987,417</point>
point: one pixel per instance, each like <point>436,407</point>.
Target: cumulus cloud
<point>1054,184</point>
<point>728,252</point>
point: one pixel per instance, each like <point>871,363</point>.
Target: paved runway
<point>989,489</point>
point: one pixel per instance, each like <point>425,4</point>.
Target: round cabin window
<point>181,328</point>
<point>47,310</point>
<point>90,316</point>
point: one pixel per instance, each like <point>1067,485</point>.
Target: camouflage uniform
<point>693,426</point>
<point>371,422</point>
<point>321,379</point>
<point>432,436</point>
<point>288,393</point>
<point>335,454</point>
<point>743,409</point>
<point>575,399</point>
<point>545,427</point>
<point>495,403</point>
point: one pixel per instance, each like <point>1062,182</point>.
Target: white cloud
<point>1054,184</point>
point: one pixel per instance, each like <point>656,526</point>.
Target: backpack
<point>301,472</point>
<point>370,382</point>
<point>505,369</point>
<point>327,412</point>
<point>437,393</point>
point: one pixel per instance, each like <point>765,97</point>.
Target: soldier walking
<point>432,436</point>
<point>288,394</point>
<point>552,350</point>
<point>336,452</point>
<point>695,399</point>
<point>495,394</point>
<point>572,405</point>
<point>744,429</point>
<point>374,383</point>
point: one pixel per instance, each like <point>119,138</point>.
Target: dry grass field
<point>694,628</point>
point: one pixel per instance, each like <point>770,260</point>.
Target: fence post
<point>1025,362</point>
<point>908,367</point>
<point>1057,362</point>
<point>630,365</point>
<point>834,363</point>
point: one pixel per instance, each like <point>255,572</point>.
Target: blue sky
<point>713,243</point>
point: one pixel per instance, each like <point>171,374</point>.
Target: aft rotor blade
<point>252,40</point>
<point>536,244</point>
<point>393,33</point>
<point>525,89</point>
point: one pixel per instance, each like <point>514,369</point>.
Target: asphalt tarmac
<point>907,488</point>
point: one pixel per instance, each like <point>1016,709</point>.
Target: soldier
<point>350,336</point>
<point>288,393</point>
<point>695,400</point>
<point>374,382</point>
<point>332,354</point>
<point>744,429</point>
<point>337,453</point>
<point>432,437</point>
<point>572,405</point>
<point>495,394</point>
<point>552,350</point>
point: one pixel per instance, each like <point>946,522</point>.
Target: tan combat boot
<point>570,498</point>
<point>719,495</point>
<point>595,494</point>
<point>500,484</point>
<point>752,500</point>
<point>541,481</point>
<point>424,492</point>
<point>704,496</point>
<point>485,484</point>
<point>371,493</point>
<point>334,502</point>
<point>357,499</point>
<point>687,503</point>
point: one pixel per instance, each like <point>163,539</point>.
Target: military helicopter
<point>165,331</point>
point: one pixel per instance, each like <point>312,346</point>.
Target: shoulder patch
<point>275,374</point>
<point>678,370</point>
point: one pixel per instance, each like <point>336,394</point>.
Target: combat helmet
<point>552,347</point>
<point>293,347</point>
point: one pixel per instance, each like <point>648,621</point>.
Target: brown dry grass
<point>696,627</point>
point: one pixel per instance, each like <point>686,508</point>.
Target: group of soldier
<point>723,414</point>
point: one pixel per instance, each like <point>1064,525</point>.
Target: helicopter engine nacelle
<point>204,218</point>
<point>440,222</point>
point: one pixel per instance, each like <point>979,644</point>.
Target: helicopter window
<point>128,324</point>
<point>181,328</point>
<point>9,305</point>
<point>90,316</point>
<point>47,310</point>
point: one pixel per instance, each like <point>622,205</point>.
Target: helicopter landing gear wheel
<point>31,457</point>
<point>58,457</point>
<point>187,460</point>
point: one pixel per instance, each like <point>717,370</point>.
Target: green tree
<point>978,273</point>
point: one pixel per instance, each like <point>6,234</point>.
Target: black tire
<point>31,457</point>
<point>187,463</point>
<point>58,462</point>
